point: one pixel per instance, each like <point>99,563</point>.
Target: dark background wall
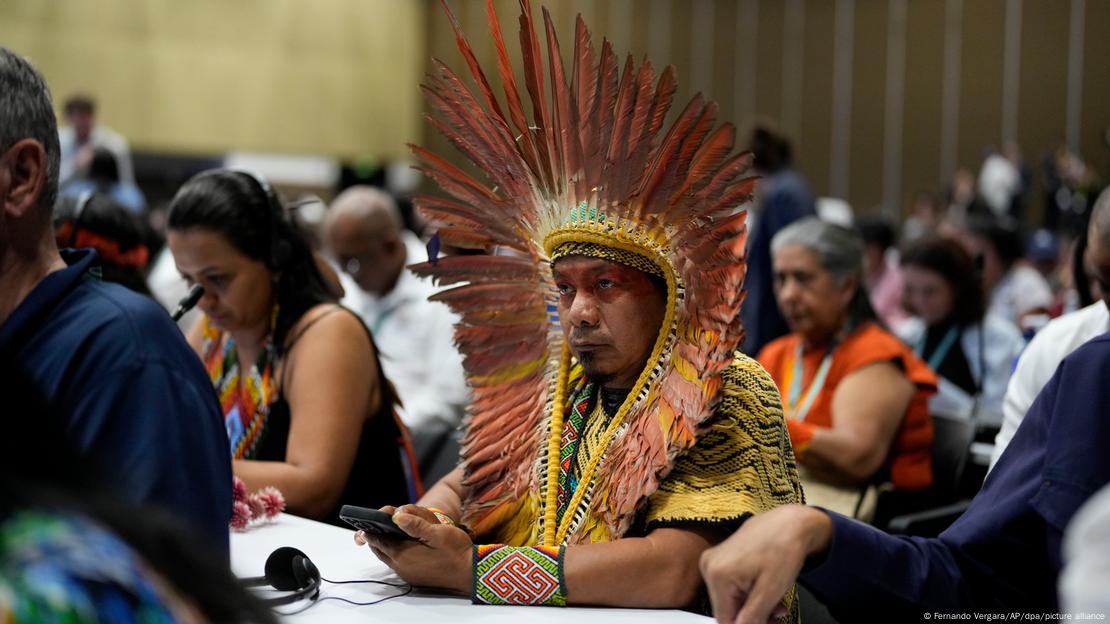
<point>881,97</point>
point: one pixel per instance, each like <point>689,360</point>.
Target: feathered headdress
<point>584,171</point>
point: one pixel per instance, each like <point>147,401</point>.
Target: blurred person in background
<point>926,215</point>
<point>855,397</point>
<point>971,351</point>
<point>96,221</point>
<point>1001,185</point>
<point>82,136</point>
<point>962,200</point>
<point>135,399</point>
<point>306,405</point>
<point>1069,189</point>
<point>1062,335</point>
<point>782,197</point>
<point>364,235</point>
<point>1017,291</point>
<point>881,265</point>
<point>103,177</point>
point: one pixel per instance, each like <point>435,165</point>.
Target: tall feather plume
<point>525,136</point>
<point>533,79</point>
<point>595,138</point>
<point>600,124</point>
<point>585,89</point>
<point>562,118</point>
<point>472,61</point>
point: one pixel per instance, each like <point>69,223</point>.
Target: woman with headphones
<point>306,405</point>
<point>97,221</point>
<point>971,351</point>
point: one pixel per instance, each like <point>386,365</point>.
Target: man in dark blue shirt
<point>1001,555</point>
<point>136,399</point>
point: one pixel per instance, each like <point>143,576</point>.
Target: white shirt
<point>415,339</point>
<point>1039,361</point>
<point>1085,581</point>
<point>1002,344</point>
<point>1021,289</point>
<point>99,136</point>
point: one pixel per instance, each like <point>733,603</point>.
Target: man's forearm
<point>658,571</point>
<point>446,495</point>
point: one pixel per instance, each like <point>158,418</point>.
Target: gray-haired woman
<point>855,397</point>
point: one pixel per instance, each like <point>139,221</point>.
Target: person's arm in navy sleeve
<point>1001,555</point>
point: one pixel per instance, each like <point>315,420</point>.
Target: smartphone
<point>373,521</point>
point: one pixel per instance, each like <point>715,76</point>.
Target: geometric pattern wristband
<point>519,575</point>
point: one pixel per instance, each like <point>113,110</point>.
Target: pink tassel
<point>240,515</point>
<point>262,506</point>
<point>258,508</point>
<point>273,501</point>
<point>238,489</point>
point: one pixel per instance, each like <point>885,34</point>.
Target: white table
<point>333,551</point>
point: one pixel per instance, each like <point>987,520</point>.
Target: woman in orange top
<point>855,397</point>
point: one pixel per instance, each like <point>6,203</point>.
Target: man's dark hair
<point>771,151</point>
<point>877,231</point>
<point>1002,234</point>
<point>104,168</point>
<point>27,112</point>
<point>80,103</point>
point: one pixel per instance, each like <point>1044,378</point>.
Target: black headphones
<point>288,569</point>
<point>280,249</point>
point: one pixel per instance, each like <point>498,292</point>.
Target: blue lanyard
<point>815,386</point>
<point>942,349</point>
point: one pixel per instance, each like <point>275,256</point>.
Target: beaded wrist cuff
<point>519,575</point>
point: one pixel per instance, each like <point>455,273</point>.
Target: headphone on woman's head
<point>288,569</point>
<point>73,216</point>
<point>280,249</point>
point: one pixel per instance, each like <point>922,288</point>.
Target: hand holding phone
<point>373,522</point>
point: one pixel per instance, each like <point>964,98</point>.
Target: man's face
<point>611,316</point>
<point>1097,259</point>
<point>368,257</point>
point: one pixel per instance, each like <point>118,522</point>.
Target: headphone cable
<point>407,590</point>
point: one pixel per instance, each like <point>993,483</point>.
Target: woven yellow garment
<point>741,464</point>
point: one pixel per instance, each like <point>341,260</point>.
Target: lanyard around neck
<point>794,383</point>
<point>942,349</point>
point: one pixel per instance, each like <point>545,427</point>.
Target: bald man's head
<point>362,232</point>
<point>1097,256</point>
<point>372,205</point>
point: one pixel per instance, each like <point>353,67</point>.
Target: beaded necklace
<point>245,399</point>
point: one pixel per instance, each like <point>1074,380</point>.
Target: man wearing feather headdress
<point>615,432</point>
